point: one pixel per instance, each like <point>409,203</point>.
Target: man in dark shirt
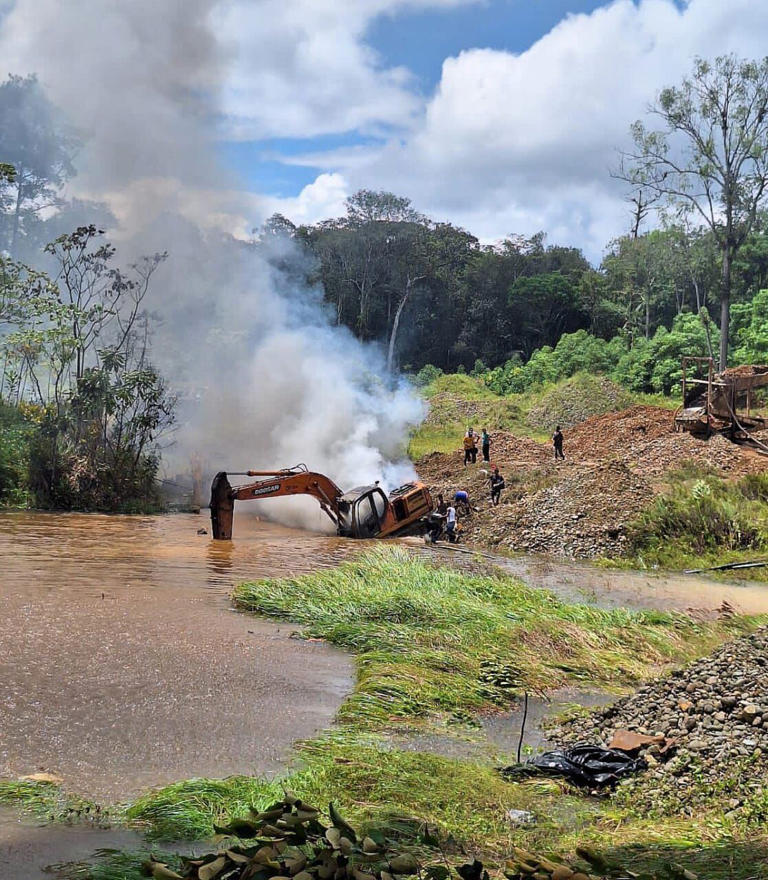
<point>497,484</point>
<point>486,438</point>
<point>557,442</point>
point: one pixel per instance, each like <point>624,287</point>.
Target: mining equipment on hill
<point>364,512</point>
<point>722,403</point>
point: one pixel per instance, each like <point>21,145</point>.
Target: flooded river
<point>122,665</point>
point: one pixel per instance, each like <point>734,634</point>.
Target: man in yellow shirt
<point>470,447</point>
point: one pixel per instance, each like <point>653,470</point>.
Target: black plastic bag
<point>582,764</point>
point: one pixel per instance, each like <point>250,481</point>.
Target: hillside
<point>617,464</point>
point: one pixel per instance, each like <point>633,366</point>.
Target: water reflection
<point>220,563</point>
<point>94,553</point>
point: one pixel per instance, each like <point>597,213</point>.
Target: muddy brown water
<point>122,665</point>
<point>577,581</point>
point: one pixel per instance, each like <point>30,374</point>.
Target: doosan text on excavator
<point>364,512</point>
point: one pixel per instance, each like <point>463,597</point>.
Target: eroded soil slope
<point>615,465</point>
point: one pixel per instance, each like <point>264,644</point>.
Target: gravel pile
<point>716,711</point>
<point>616,464</point>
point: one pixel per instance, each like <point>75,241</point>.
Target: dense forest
<point>432,294</point>
<point>694,246</point>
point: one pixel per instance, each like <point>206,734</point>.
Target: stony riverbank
<point>713,715</point>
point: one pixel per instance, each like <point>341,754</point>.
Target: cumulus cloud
<point>319,200</point>
<point>522,142</point>
<point>506,143</point>
<point>303,68</point>
<point>233,68</point>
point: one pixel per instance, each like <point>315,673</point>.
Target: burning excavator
<point>365,512</point>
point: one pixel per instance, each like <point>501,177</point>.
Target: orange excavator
<point>365,512</point>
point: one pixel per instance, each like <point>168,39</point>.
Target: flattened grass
<point>424,636</point>
<point>46,800</point>
<point>434,646</point>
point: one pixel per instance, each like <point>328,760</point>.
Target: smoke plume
<point>265,380</point>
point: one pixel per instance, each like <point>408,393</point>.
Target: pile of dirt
<point>745,370</point>
<point>616,464</point>
<point>576,516</point>
<point>714,713</point>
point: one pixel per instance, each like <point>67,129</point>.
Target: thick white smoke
<point>266,381</point>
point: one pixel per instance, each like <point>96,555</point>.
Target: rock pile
<point>715,711</point>
<point>616,464</point>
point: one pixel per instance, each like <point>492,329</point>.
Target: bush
<point>643,365</point>
<point>15,432</point>
<point>706,516</point>
<point>426,375</point>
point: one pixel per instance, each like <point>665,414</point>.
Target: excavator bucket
<point>222,507</point>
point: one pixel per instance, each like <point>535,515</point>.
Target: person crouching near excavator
<point>461,502</point>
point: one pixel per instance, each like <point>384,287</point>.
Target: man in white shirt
<point>450,524</point>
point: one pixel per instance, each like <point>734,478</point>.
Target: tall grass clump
<point>704,517</point>
<point>432,641</point>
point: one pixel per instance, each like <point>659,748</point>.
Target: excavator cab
<point>362,512</point>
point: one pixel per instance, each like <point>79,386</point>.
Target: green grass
<point>44,800</point>
<point>702,521</point>
<point>15,432</point>
<point>458,401</point>
<point>425,637</point>
<point>434,645</point>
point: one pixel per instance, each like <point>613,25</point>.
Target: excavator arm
<point>292,481</point>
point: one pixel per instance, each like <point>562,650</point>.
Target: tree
<point>545,306</point>
<point>78,349</point>
<point>41,151</point>
<point>431,256</point>
<point>711,156</point>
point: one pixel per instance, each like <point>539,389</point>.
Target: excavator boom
<point>365,512</point>
<point>291,481</point>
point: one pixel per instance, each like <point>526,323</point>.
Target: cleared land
<point>617,465</point>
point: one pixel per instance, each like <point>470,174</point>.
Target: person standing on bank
<point>557,443</point>
<point>486,438</point>
<point>470,446</point>
<point>450,523</point>
<point>497,484</point>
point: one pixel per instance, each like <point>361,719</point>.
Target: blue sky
<point>419,40</point>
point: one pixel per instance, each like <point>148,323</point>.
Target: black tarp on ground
<point>584,765</point>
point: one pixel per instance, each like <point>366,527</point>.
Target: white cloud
<point>319,200</point>
<point>516,143</point>
<point>507,142</point>
<point>302,68</point>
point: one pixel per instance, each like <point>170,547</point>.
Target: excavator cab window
<point>369,512</point>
